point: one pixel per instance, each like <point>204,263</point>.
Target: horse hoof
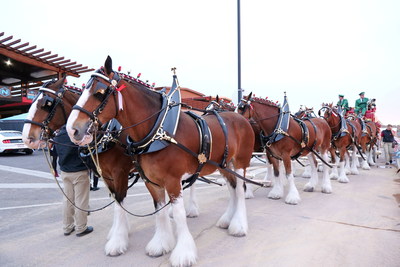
<point>326,190</point>
<point>308,188</point>
<point>292,202</point>
<point>249,195</point>
<point>275,197</point>
<point>355,172</point>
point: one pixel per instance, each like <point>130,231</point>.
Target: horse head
<point>48,112</point>
<point>244,107</point>
<point>97,104</point>
<point>329,113</point>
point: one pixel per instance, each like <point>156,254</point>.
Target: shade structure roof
<point>24,67</point>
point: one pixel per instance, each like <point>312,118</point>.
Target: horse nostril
<point>76,132</point>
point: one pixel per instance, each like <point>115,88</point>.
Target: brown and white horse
<point>292,144</point>
<point>133,105</point>
<point>369,137</point>
<point>345,134</point>
<point>50,111</point>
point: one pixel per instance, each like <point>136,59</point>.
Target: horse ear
<point>249,96</point>
<point>108,65</point>
<point>60,82</point>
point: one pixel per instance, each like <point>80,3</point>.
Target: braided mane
<point>265,101</point>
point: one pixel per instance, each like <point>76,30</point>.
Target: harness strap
<point>205,147</point>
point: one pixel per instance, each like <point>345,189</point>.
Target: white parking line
<point>91,200</point>
<point>46,175</point>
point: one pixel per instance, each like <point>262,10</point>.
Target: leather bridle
<point>102,92</point>
<point>50,105</point>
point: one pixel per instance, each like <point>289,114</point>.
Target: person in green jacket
<point>343,103</point>
<point>361,104</point>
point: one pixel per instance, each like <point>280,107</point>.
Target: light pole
<point>239,54</point>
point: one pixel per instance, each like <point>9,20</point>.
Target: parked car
<point>11,141</point>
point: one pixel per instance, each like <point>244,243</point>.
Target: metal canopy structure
<point>24,68</point>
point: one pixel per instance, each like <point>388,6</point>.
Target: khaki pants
<point>76,187</point>
<point>387,148</point>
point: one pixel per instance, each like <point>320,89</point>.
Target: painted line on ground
<point>45,175</point>
<point>92,200</point>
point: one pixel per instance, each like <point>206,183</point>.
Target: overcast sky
<point>312,49</point>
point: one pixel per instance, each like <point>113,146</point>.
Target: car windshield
<point>10,134</point>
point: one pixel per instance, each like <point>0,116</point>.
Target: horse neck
<point>139,104</point>
<point>266,115</point>
<point>334,123</point>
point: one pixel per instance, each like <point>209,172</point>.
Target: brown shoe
<point>88,230</point>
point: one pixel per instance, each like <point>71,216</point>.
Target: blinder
<point>48,103</point>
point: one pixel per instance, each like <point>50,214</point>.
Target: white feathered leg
<point>354,161</point>
<point>268,175</point>
<point>371,156</point>
<point>249,193</point>
<point>310,186</point>
<point>118,237</point>
<point>347,166</point>
<point>238,225</point>
<point>293,196</point>
<point>163,240</point>
<point>342,173</point>
<point>192,210</point>
<point>277,189</point>
<point>365,165</point>
<point>226,218</point>
<point>307,171</point>
<point>326,186</point>
<point>185,251</point>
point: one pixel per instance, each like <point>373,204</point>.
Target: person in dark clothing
<point>76,182</point>
<point>54,156</point>
<point>95,180</point>
<point>387,140</point>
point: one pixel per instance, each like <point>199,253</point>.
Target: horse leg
<point>347,166</point>
<point>326,186</point>
<point>192,210</point>
<point>118,236</point>
<point>310,186</point>
<point>249,190</point>
<point>334,173</point>
<point>163,240</point>
<point>185,251</point>
<point>342,170</point>
<point>371,150</point>
<point>269,173</point>
<point>293,196</point>
<point>226,218</point>
<point>365,165</point>
<point>238,225</point>
<point>277,188</point>
<point>307,171</point>
<point>119,233</point>
<point>354,160</point>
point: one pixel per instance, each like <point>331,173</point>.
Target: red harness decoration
<point>119,89</point>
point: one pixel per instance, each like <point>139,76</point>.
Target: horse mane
<point>265,102</point>
<point>135,81</point>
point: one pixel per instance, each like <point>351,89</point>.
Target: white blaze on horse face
<point>27,126</point>
<point>75,113</point>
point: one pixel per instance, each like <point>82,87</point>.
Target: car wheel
<point>29,152</point>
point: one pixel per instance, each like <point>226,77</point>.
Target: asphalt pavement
<point>357,225</point>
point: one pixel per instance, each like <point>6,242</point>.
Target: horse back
<point>322,133</point>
